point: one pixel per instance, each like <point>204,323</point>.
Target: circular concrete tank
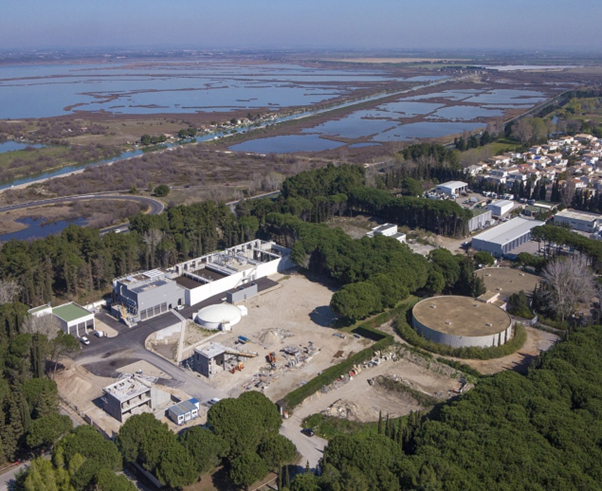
<point>462,322</point>
<point>222,315</point>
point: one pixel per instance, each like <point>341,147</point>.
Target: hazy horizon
<point>267,24</point>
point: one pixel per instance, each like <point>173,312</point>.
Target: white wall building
<point>387,230</point>
<point>504,238</point>
<point>452,187</point>
<point>501,207</point>
<point>579,220</point>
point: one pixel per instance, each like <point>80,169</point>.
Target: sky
<point>303,24</point>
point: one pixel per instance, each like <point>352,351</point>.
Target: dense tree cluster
<point>243,434</point>
<point>441,217</point>
<point>247,428</point>
<point>81,460</point>
<point>539,431</point>
<point>457,273</point>
<point>554,238</point>
<point>29,417</point>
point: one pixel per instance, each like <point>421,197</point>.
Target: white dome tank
<point>222,315</point>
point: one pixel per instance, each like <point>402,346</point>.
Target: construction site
<point>281,341</point>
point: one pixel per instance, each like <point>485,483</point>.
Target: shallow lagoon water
<point>11,146</point>
<point>286,144</point>
<point>46,90</point>
<point>37,230</point>
<point>425,130</point>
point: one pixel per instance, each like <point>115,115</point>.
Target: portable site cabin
<point>184,411</point>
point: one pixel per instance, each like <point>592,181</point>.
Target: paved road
<point>104,355</point>
<point>310,447</point>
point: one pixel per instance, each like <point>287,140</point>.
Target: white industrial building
<point>226,270</point>
<point>452,188</point>
<point>504,238</point>
<point>142,295</point>
<point>501,207</point>
<point>579,220</point>
<point>387,230</point>
<point>73,318</point>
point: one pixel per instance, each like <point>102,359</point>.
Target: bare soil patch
<point>296,315</point>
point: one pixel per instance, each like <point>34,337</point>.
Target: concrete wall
<point>78,326</point>
<point>479,221</point>
<point>164,297</point>
<point>242,293</point>
<point>488,341</point>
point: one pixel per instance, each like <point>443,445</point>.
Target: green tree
<point>277,450</point>
<point>357,300</point>
<point>145,139</point>
<point>176,468</point>
<point>485,258</point>
<point>240,429</point>
<point>205,448</point>
<point>62,345</point>
<point>46,431</point>
<point>107,480</point>
<point>411,187</point>
<point>41,475</point>
<point>247,468</point>
<point>305,482</point>
<point>162,190</point>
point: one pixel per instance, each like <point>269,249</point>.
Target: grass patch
<point>329,427</point>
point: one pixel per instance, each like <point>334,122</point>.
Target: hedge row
<point>331,374</point>
<point>411,336</point>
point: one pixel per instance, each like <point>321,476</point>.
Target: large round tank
<point>462,322</point>
<point>222,315</point>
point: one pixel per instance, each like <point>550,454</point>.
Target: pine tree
<point>380,422</point>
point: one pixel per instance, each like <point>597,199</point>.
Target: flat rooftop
<point>585,216</point>
<point>507,281</point>
<point>209,274</point>
<point>466,316</point>
<point>452,184</point>
<point>128,388</point>
<point>70,312</point>
<point>211,350</point>
<point>508,231</point>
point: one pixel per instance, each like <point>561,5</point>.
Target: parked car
<point>180,307</point>
<point>213,401</point>
<point>85,340</point>
<point>99,334</point>
<point>308,432</point>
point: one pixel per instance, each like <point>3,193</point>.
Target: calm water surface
<point>36,229</point>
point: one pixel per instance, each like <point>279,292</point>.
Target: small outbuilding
<point>74,319</point>
<point>501,207</point>
<point>184,411</point>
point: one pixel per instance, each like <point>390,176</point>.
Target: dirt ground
<point>292,315</point>
<point>537,341</point>
<point>83,391</point>
<point>359,401</point>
